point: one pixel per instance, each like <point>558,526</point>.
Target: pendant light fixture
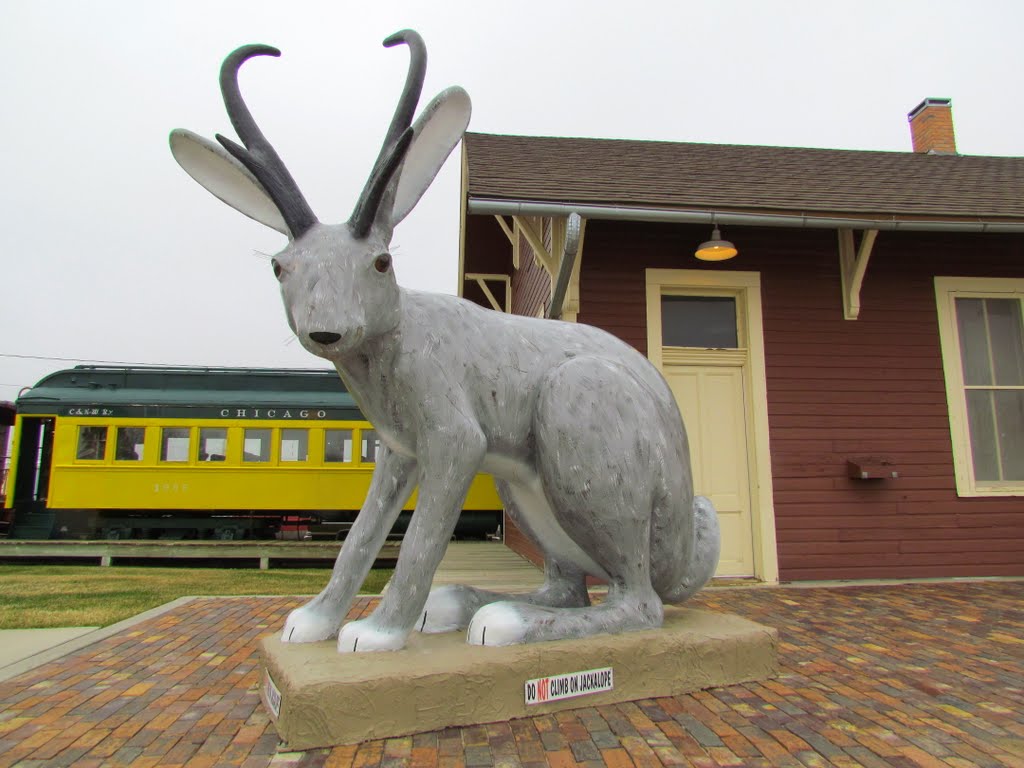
<point>715,249</point>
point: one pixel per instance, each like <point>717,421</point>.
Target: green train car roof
<point>227,393</point>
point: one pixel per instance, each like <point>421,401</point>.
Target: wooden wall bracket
<point>853,263</point>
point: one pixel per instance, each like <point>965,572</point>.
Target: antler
<point>398,137</point>
<point>258,155</point>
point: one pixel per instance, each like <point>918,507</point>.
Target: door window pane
<point>338,445</point>
<point>130,441</point>
<point>257,445</point>
<point>92,443</point>
<point>708,322</point>
<point>294,444</point>
<point>371,444</point>
<point>213,444</point>
<point>174,443</point>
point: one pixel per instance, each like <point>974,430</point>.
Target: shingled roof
<point>751,179</point>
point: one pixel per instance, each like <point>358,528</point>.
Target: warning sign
<point>272,696</point>
<point>544,689</point>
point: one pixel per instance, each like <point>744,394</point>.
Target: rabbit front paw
<point>309,624</point>
<point>497,624</point>
<point>362,635</point>
<point>449,608</point>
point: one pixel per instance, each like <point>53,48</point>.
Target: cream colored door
<point>704,332</point>
<point>713,404</point>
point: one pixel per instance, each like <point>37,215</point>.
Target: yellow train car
<point>111,452</point>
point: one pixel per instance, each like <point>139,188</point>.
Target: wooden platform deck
<point>488,565</point>
<point>484,564</point>
<point>110,552</point>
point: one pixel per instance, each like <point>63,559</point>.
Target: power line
<point>70,359</point>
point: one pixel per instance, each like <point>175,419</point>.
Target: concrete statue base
<point>321,698</point>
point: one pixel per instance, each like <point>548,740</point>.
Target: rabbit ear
<point>225,178</point>
<point>436,132</point>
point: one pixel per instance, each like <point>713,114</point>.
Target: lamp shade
<point>715,249</point>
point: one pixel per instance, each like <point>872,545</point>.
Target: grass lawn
<point>90,596</point>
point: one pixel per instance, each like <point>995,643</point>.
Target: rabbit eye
<point>277,268</point>
<point>383,262</point>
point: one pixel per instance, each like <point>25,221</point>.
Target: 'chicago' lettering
<point>252,413</point>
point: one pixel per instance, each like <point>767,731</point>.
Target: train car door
<point>32,470</point>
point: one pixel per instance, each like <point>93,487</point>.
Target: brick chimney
<point>931,127</point>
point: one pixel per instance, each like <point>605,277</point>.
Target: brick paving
<point>925,675</point>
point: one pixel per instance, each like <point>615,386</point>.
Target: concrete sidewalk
<point>20,644</point>
<point>22,650</point>
<point>490,565</point>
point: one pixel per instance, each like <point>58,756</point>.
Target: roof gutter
<point>492,207</point>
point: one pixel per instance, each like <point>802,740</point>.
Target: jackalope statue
<point>580,431</point>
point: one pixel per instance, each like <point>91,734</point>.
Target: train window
<point>175,443</point>
<point>371,444</point>
<point>294,444</point>
<point>213,444</point>
<point>130,442</point>
<point>338,445</point>
<point>92,443</point>
<point>257,445</point>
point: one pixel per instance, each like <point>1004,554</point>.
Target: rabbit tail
<point>707,546</point>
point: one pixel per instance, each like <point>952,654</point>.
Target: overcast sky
<point>110,252</point>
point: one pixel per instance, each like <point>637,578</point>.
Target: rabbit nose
<point>324,337</point>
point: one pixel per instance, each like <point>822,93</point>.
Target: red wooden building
<point>852,381</point>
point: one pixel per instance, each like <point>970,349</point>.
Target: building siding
<point>839,389</point>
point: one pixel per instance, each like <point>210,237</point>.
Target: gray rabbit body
<point>580,431</point>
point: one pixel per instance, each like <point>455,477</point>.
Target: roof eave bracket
<point>529,229</point>
<point>853,264</point>
<point>512,233</point>
<point>504,280</point>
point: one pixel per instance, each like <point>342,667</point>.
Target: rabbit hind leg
<point>599,460</point>
<point>452,606</point>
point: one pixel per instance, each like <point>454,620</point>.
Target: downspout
<point>565,266</point>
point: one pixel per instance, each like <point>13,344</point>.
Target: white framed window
<point>981,328</point>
